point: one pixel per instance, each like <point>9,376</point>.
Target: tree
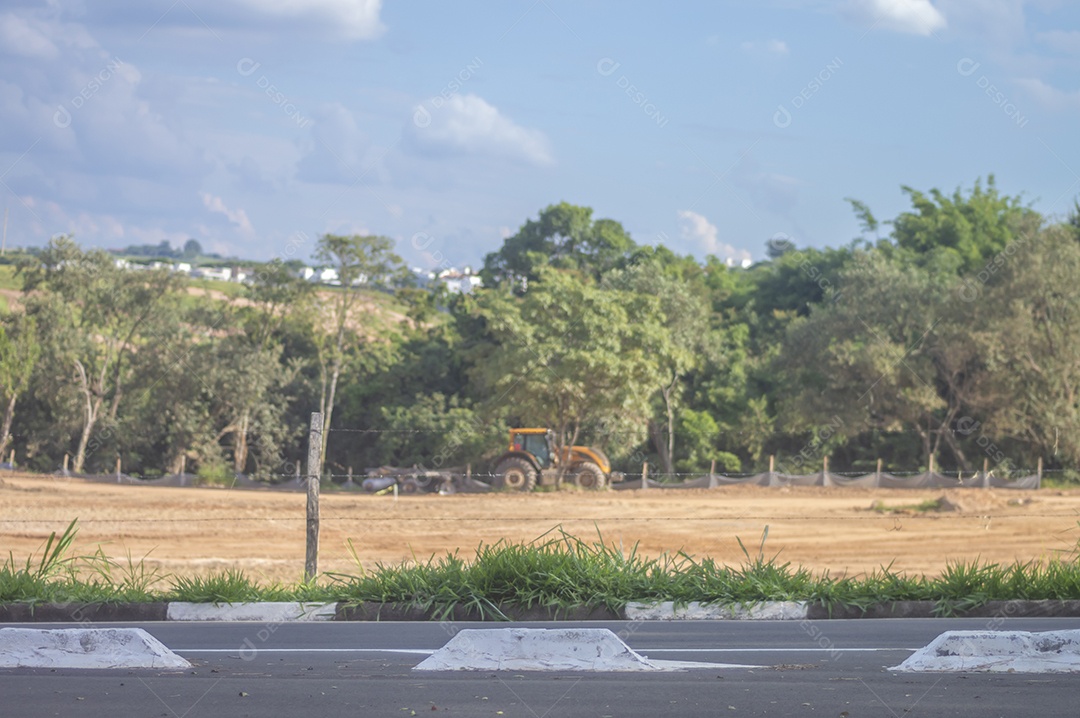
<point>563,236</point>
<point>96,313</point>
<point>192,249</point>
<point>893,354</point>
<point>19,352</point>
<point>569,354</point>
<point>965,231</point>
<point>1032,388</point>
<point>685,316</point>
<point>776,247</point>
<point>358,260</point>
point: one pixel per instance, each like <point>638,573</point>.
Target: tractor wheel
<point>587,475</point>
<point>515,474</point>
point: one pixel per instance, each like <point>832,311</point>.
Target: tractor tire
<point>515,474</point>
<point>588,475</point>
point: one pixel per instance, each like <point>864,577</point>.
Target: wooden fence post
<point>712,467</point>
<point>67,457</point>
<point>1038,475</point>
<point>118,468</point>
<point>644,475</point>
<point>311,562</point>
<point>931,464</point>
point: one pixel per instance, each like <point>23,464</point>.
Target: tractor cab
<point>537,442</point>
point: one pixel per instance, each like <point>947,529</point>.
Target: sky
<point>256,126</point>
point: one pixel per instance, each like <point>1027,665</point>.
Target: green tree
<point>1031,390</point>
<point>192,249</point>
<point>569,354</point>
<point>685,314</point>
<point>358,260</point>
<point>97,314</point>
<point>563,236</point>
<point>19,352</point>
<point>893,354</point>
<point>965,231</point>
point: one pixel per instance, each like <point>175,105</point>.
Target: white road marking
<point>419,651</point>
<point>429,651</point>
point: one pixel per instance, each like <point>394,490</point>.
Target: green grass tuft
<point>556,571</point>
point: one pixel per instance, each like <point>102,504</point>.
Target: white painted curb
<point>694,611</point>
<point>997,652</point>
<point>85,648</point>
<point>546,649</point>
<point>266,612</point>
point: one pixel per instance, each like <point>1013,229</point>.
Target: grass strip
<point>556,571</point>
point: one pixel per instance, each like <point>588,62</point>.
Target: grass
<point>8,280</point>
<point>557,571</point>
<point>928,506</point>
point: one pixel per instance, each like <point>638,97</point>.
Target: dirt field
<point>198,530</point>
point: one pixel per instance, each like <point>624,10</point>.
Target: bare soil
<point>190,531</point>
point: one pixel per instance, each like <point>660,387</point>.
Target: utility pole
<point>314,461</point>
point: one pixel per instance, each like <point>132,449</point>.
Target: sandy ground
<point>262,532</point>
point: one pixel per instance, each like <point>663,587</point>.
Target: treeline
<point>950,331</point>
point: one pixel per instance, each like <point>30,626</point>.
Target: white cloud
<point>696,228</point>
<point>20,36</point>
<point>1049,96</point>
<point>237,216</point>
<point>916,17</point>
<point>769,191</point>
<point>1061,40</point>
<point>467,124</point>
<point>353,19</point>
<point>338,148</point>
<point>771,47</point>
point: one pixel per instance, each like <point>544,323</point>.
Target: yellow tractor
<point>532,460</point>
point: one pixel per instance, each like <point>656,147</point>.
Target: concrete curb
<point>271,612</point>
<point>694,611</point>
<point>266,612</point>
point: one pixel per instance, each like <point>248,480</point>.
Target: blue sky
<point>255,126</point>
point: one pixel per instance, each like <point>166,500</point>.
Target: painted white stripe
<point>429,651</point>
<point>771,650</point>
<point>245,649</point>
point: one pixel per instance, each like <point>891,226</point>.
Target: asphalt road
<point>820,668</point>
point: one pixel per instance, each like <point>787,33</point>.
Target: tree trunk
<point>5,430</point>
<point>668,457</point>
<point>328,412</point>
<point>240,446</point>
<point>93,406</point>
<point>564,454</point>
<point>656,435</point>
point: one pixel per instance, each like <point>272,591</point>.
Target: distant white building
<point>182,268</point>
<point>423,277</point>
<point>223,274</point>
<point>463,281</point>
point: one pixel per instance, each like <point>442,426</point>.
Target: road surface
<point>820,668</point>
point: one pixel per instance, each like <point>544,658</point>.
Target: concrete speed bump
<point>85,648</point>
<point>998,652</point>
<point>542,649</point>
